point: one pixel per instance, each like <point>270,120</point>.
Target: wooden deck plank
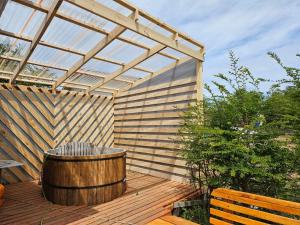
<point>146,199</point>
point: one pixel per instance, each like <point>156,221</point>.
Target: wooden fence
<point>147,119</point>
<point>33,120</point>
<point>143,120</point>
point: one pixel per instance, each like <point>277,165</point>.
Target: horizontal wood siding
<point>33,120</point>
<point>147,119</point>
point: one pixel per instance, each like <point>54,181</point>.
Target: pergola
<point>94,46</point>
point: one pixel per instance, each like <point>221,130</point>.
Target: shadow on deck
<point>146,199</point>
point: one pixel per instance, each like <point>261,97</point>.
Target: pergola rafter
<point>83,72</point>
<point>101,45</point>
<point>131,24</point>
<point>73,51</point>
<point>128,66</point>
<point>123,22</point>
<point>42,29</point>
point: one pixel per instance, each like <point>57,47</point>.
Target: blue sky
<point>250,28</point>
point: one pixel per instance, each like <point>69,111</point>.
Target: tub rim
<point>120,153</point>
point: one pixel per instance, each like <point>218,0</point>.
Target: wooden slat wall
<point>147,119</point>
<point>33,120</point>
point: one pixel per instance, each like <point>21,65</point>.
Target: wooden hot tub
<point>80,174</point>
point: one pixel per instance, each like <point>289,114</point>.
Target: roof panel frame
<point>88,73</point>
<point>124,22</point>
<point>132,24</point>
<point>129,66</point>
<point>73,51</point>
<point>43,27</point>
<point>89,26</point>
<point>89,55</point>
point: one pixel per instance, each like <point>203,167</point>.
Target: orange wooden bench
<point>229,206</point>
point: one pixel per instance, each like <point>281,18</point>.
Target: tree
<point>229,141</point>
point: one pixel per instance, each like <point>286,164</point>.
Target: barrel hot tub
<point>81,174</point>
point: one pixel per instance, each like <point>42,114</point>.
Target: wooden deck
<point>147,198</point>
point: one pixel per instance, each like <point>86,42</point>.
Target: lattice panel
<point>33,120</point>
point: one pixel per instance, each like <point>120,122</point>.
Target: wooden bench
<point>229,206</point>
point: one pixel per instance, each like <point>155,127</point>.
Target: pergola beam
<point>78,22</point>
<point>73,51</point>
<point>101,45</point>
<point>131,24</point>
<point>88,73</point>
<point>159,22</point>
<point>128,66</point>
<point>43,27</point>
<point>49,81</point>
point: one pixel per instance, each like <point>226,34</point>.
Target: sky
<point>250,28</point>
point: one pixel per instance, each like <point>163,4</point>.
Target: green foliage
<point>197,214</point>
<point>234,139</point>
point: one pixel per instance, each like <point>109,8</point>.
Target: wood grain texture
<point>84,179</point>
<point>246,208</point>
<point>147,119</point>
<point>34,120</point>
<point>146,199</point>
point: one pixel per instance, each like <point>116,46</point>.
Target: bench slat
<point>215,221</point>
<point>263,204</point>
<point>234,218</point>
<point>276,201</point>
<point>255,213</point>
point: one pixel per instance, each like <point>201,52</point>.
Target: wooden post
<point>199,80</point>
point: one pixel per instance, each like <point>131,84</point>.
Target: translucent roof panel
<point>71,36</point>
<point>52,56</point>
<point>85,79</point>
<point>26,22</point>
<point>115,6</point>
<point>8,65</point>
<point>154,26</point>
<point>173,52</point>
<point>73,32</point>
<point>13,47</point>
<point>100,66</point>
<point>156,62</point>
<point>135,73</point>
<point>121,51</point>
<point>41,71</point>
<point>128,77</point>
<point>98,92</point>
<point>85,16</point>
<point>128,34</point>
<point>115,84</point>
<point>43,3</point>
<point>188,44</point>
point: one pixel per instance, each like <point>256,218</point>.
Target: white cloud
<point>250,27</point>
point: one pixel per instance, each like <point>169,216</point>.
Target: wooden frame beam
<point>199,80</point>
<point>128,66</point>
<point>88,73</point>
<point>50,81</point>
<point>43,27</point>
<point>44,43</point>
<point>2,6</point>
<point>159,22</point>
<point>98,29</point>
<point>131,24</point>
<point>101,45</point>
